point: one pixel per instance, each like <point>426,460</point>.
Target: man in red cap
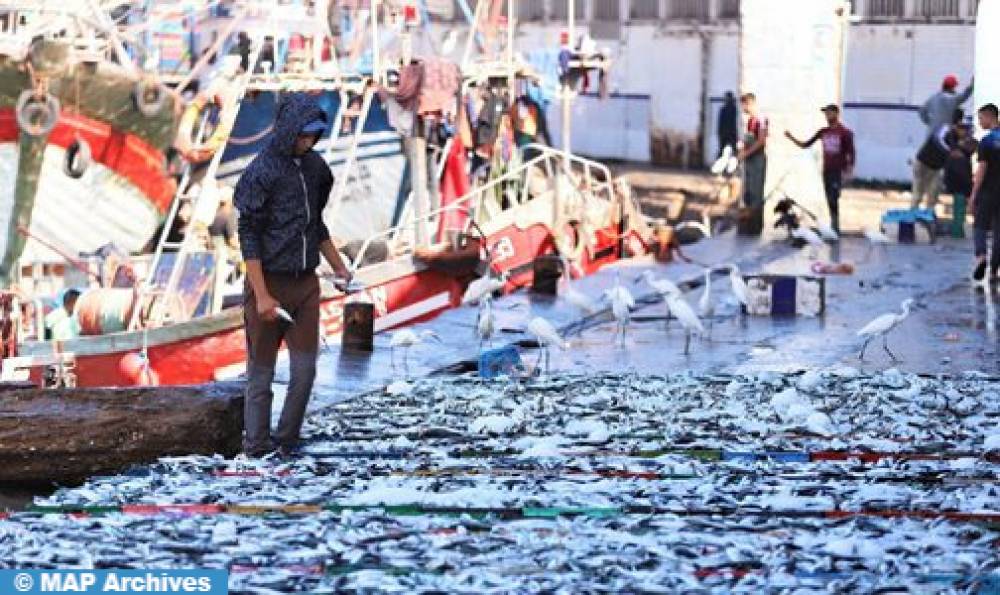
<point>937,113</point>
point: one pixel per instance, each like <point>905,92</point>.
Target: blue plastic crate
<point>499,362</point>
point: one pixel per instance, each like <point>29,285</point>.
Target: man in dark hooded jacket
<point>280,197</point>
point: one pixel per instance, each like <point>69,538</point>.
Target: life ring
<point>31,108</point>
<point>78,158</point>
<point>149,107</point>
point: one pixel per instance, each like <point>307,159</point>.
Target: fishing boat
<point>177,325</point>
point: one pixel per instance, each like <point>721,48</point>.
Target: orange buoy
<point>135,368</point>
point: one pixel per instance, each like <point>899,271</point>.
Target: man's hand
<point>266,308</point>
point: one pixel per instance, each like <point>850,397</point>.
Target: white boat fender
<point>78,158</point>
<point>149,97</point>
<point>36,115</point>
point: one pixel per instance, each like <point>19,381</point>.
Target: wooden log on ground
<point>68,435</point>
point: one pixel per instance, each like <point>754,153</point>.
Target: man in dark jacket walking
<point>280,197</point>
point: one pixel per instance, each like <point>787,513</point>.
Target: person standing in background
<point>985,202</point>
<point>839,157</point>
<point>753,156</point>
<point>729,123</point>
<point>958,173</point>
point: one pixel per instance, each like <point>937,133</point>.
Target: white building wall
<point>890,70</point>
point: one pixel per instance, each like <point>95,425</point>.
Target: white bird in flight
<point>482,287</point>
<point>883,325</point>
<point>406,339</point>
<point>622,303</point>
<point>547,336</point>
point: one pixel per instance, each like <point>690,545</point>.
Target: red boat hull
<point>126,154</point>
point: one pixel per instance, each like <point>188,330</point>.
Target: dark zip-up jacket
<point>280,201</point>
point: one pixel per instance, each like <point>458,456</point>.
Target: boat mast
<point>566,88</point>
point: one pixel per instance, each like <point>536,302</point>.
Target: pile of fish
<point>821,481</point>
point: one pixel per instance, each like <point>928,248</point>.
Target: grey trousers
<point>300,296</point>
<point>926,183</point>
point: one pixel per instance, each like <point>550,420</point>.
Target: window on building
<point>644,9</point>
<point>530,10</point>
<point>688,10</point>
<point>939,8</point>
<point>560,9</point>
<point>607,10</point>
<point>729,9</point>
<point>886,9</point>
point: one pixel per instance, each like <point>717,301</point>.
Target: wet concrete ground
<point>952,328</point>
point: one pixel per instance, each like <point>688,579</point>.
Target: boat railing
<point>588,181</point>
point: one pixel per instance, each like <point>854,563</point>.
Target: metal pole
<point>376,49</point>
<point>567,91</point>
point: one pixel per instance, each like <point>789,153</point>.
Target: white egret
<point>706,306</point>
<point>686,316</point>
<point>810,237</point>
<point>662,286</point>
<point>547,336</point>
<point>827,232</point>
<point>449,43</point>
<point>577,299</point>
<point>486,323</point>
<point>875,236</point>
<point>739,287</point>
<point>722,163</point>
<point>883,325</point>
<point>622,303</point>
<point>406,339</point>
<point>482,287</point>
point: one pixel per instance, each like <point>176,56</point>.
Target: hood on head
<point>294,111</point>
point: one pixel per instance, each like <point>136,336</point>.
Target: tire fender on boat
<point>78,158</point>
<point>36,116</point>
<point>145,88</point>
<point>135,368</point>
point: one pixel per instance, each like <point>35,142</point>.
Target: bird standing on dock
<point>876,236</point>
<point>406,339</point>
<point>686,316</point>
<point>662,286</point>
<point>827,232</point>
<point>739,288</point>
<point>547,336</point>
<point>486,323</point>
<point>622,303</point>
<point>576,298</point>
<point>810,237</point>
<point>883,325</point>
<point>706,306</point>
